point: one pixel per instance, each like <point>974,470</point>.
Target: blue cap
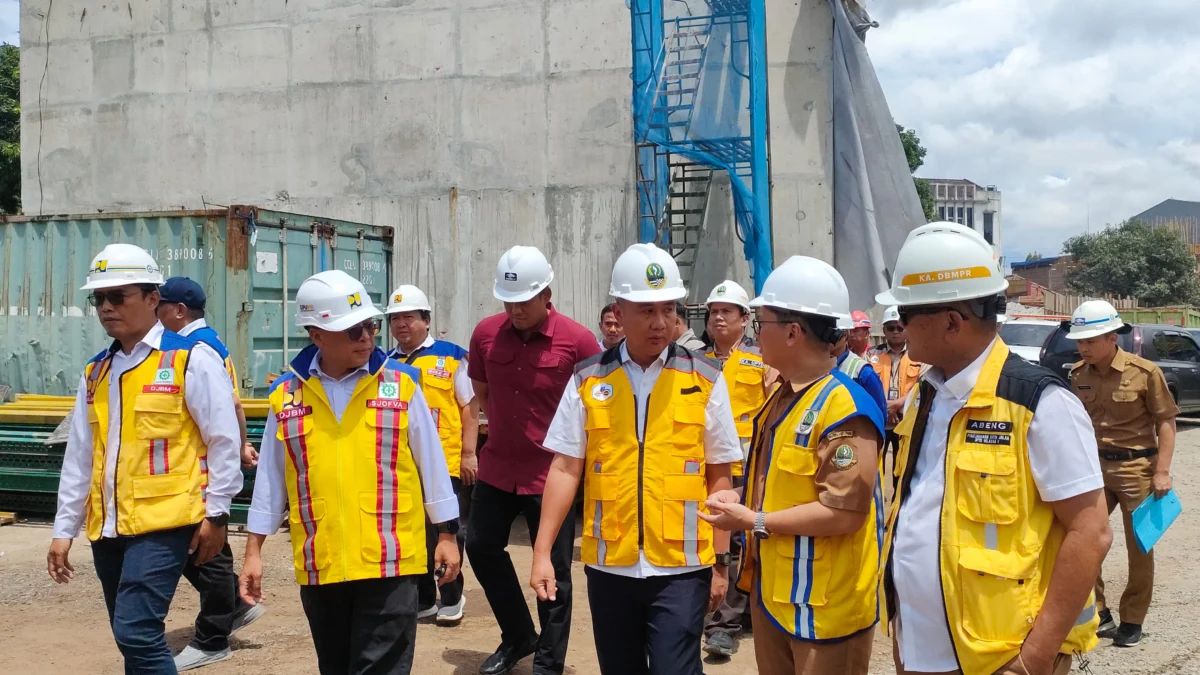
<point>184,291</point>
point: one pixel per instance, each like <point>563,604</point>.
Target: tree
<point>1151,264</point>
<point>1033,255</point>
<point>915,154</point>
<point>10,128</point>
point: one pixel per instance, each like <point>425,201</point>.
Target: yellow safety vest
<point>439,363</point>
<point>646,493</point>
<point>744,372</point>
<point>354,494</point>
<point>999,540</point>
<point>814,588</point>
<point>158,478</point>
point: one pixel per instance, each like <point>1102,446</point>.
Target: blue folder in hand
<point>1152,518</point>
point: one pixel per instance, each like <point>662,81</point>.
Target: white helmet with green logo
<point>646,273</point>
<point>731,292</point>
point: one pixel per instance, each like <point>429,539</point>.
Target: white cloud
<point>1081,114</point>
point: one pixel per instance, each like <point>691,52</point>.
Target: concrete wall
<point>468,125</point>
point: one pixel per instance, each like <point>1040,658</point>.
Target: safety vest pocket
<point>599,418</point>
<point>801,577</point>
<point>689,426</point>
<point>158,416</point>
<point>1005,581</point>
<point>987,486</point>
<point>385,535</point>
<point>383,419</point>
<point>305,517</point>
<point>797,467</point>
<point>160,501</point>
<point>683,495</point>
<point>601,519</point>
<point>436,382</point>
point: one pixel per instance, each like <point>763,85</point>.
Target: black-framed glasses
<point>114,297</point>
<point>757,324</point>
<point>370,326</point>
<point>907,313</point>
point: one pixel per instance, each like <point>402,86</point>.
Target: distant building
<point>1048,273</point>
<point>968,203</point>
<point>1175,214</point>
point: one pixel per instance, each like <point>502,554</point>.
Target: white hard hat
<point>810,286</point>
<point>521,274</point>
<point>1001,318</point>
<point>944,262</point>
<point>1093,319</point>
<point>333,301</point>
<point>646,273</point>
<point>408,298</point>
<point>730,292</point>
<point>122,265</point>
<point>891,314</point>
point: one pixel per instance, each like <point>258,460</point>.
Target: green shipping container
<point>243,256</point>
<point>1184,317</point>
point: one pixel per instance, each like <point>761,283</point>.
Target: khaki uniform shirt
<point>1127,403</point>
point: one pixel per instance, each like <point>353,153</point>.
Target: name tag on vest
<point>388,403</point>
<point>293,413</point>
<point>990,439</point>
<point>989,425</point>
<point>439,373</point>
<point>751,362</point>
<point>160,389</point>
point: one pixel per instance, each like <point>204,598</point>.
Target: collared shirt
<point>1127,403</point>
<point>567,436</point>
<point>463,391</point>
<point>208,395</point>
<point>894,383</point>
<point>1063,459</point>
<point>525,379</point>
<point>269,506</point>
<point>869,380</point>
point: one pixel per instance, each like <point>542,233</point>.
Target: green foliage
<point>915,154</point>
<point>1133,259</point>
<point>10,128</point>
<point>1033,255</point>
<point>925,192</point>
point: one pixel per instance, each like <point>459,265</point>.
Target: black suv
<point>1171,348</point>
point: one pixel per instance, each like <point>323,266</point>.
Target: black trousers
<point>219,600</point>
<point>366,627</point>
<point>492,514</point>
<point>427,588</point>
<point>648,626</point>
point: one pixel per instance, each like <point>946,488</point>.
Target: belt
<point>1126,455</point>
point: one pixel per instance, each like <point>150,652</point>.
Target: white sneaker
<point>247,617</point>
<point>451,615</point>
<point>427,613</point>
<point>191,658</point>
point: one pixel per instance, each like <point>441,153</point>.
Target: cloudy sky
<point>9,21</point>
<point>1060,104</point>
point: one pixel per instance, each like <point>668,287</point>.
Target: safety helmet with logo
<point>408,298</point>
<point>646,273</point>
<point>809,286</point>
<point>861,320</point>
<point>1095,318</point>
<point>731,292</point>
<point>942,263</point>
<point>333,301</point>
<point>521,274</point>
<point>122,265</point>
<point>891,314</point>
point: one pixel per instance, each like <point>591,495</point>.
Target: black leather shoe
<point>506,657</point>
<point>1108,627</point>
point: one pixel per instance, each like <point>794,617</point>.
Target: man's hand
<point>207,542</point>
<point>1162,484</point>
<point>469,468</point>
<point>58,563</point>
<point>719,587</point>
<point>894,408</point>
<point>446,554</point>
<point>726,515</point>
<point>725,497</point>
<point>250,582</point>
<point>542,579</point>
<point>249,456</point>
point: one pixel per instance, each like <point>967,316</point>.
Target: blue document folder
<point>1153,517</point>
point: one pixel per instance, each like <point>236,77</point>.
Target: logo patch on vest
<point>602,392</point>
<point>989,439</point>
<point>387,403</point>
<point>834,435</point>
<point>439,373</point>
<point>843,457</point>
<point>160,389</point>
<point>807,422</point>
<point>389,390</point>
<point>989,425</point>
<point>292,413</point>
<point>751,362</point>
<point>875,358</point>
<point>164,376</point>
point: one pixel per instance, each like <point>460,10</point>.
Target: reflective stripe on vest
<point>297,448</point>
<point>387,446</point>
<point>852,365</point>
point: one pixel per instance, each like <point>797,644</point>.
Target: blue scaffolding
<point>700,105</point>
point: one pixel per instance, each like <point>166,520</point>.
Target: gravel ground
<point>49,629</point>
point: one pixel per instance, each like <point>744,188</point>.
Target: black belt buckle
<point>1127,455</point>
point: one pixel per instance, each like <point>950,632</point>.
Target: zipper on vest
<point>941,582</point>
<point>641,469</point>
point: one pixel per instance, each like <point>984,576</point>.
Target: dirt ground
<point>49,629</point>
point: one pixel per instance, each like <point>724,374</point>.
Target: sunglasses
<point>907,313</point>
<point>116,298</point>
<point>893,328</point>
<point>370,326</point>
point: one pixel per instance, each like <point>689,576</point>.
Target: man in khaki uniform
<point>1133,413</point>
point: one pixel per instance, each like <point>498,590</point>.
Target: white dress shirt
<point>193,327</point>
<point>567,436</point>
<point>463,390</point>
<point>208,395</point>
<point>1064,461</point>
<point>269,506</point>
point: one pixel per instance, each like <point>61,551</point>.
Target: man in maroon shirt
<point>520,364</point>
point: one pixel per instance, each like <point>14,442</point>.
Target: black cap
<point>184,291</point>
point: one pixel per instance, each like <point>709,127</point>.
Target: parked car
<point>1173,349</point>
<point>1025,337</point>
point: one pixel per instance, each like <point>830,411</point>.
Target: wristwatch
<point>725,559</point>
<point>220,521</point>
<point>448,527</point>
<point>760,526</point>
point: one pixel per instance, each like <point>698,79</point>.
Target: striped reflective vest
<point>999,539</point>
<point>814,588</point>
<point>852,365</point>
<point>906,375</point>
<point>354,493</point>
<point>158,479</point>
<point>646,492</point>
<point>439,363</point>
<point>744,372</point>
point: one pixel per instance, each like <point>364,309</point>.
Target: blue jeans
<point>139,575</point>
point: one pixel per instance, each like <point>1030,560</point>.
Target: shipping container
<point>1179,315</point>
<point>243,256</point>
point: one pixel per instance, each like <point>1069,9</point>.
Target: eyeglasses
<point>370,326</point>
<point>907,313</point>
<point>893,328</point>
<point>757,324</point>
<point>116,298</point>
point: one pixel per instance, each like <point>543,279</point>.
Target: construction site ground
<point>46,628</point>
